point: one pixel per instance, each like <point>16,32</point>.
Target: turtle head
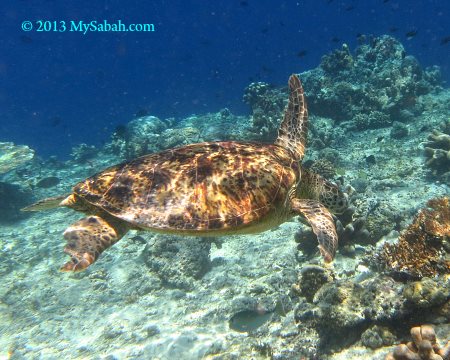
<point>333,197</point>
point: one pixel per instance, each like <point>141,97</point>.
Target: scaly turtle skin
<point>206,189</point>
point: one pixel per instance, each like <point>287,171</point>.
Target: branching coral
<point>420,250</point>
<point>423,347</point>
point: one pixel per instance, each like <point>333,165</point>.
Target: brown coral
<point>420,250</point>
<point>437,151</point>
<point>423,347</point>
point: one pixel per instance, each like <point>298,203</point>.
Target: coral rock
<point>377,82</point>
<point>267,107</point>
<point>377,336</point>
<point>13,156</point>
<point>312,278</point>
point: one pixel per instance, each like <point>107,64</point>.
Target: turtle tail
<point>46,204</point>
<point>294,127</point>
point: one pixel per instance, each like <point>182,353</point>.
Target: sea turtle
<point>205,189</point>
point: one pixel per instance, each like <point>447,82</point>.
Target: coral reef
<point>158,296</point>
<point>422,249</point>
<point>437,152</point>
<point>149,134</point>
<point>177,137</point>
<point>423,347</point>
<point>338,60</point>
<point>426,293</point>
<point>372,87</point>
<point>373,119</point>
<point>13,156</point>
<point>380,219</point>
<point>377,336</point>
<point>368,307</point>
<point>267,106</point>
<point>139,137</point>
<point>312,278</point>
<point>83,152</point>
<point>222,125</point>
<point>178,262</point>
<point>399,130</point>
<point>343,309</point>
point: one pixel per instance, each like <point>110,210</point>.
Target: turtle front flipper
<point>294,127</point>
<point>322,224</point>
<point>88,238</point>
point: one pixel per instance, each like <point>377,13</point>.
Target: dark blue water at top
<point>58,89</point>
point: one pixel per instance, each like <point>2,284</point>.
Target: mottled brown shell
<point>201,187</point>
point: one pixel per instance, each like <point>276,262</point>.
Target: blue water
<point>58,89</point>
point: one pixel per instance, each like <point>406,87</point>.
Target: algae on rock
<point>12,156</point>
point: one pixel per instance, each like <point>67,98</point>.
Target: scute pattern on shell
<point>206,186</point>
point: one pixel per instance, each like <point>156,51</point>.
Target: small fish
<point>393,29</point>
<point>205,42</point>
<point>120,131</point>
<point>335,39</point>
<point>329,1</point>
<point>411,34</point>
<point>55,121</point>
<point>302,53</point>
<point>445,41</point>
<point>100,79</point>
<point>48,182</point>
<point>243,3</point>
<point>215,73</point>
<point>267,70</point>
<point>26,39</point>
<point>249,320</point>
<point>385,1</point>
<point>361,38</point>
<point>350,8</point>
<point>141,113</point>
<point>265,30</point>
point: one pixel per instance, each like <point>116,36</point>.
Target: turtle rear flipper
<point>322,224</point>
<point>46,204</point>
<point>88,238</point>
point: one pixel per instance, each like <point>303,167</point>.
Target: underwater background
<point>376,76</point>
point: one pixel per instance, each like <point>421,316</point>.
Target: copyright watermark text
<point>84,26</point>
